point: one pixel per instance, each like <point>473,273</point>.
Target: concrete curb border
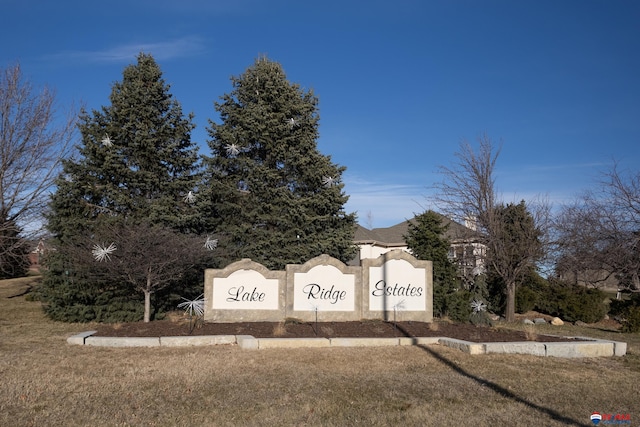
<point>580,347</point>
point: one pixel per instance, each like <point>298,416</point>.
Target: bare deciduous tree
<point>33,141</point>
<point>512,234</point>
<point>146,257</point>
<point>467,192</point>
<point>598,236</point>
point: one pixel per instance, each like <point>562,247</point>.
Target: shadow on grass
<point>28,289</point>
<point>554,415</point>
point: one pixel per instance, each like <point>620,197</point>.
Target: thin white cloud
<point>165,50</point>
<point>380,204</point>
<point>588,165</point>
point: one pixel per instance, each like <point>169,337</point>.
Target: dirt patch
<point>365,329</point>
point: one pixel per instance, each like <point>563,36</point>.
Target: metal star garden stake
<point>329,181</point>
<point>398,306</point>
<point>211,244</point>
<point>190,197</point>
<point>106,141</point>
<point>478,306</point>
<point>232,149</point>
<point>194,308</point>
<point>101,253</point>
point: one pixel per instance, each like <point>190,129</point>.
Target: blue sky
<point>400,83</point>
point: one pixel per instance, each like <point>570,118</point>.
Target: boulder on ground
<point>556,321</point>
<point>527,322</point>
<point>539,321</point>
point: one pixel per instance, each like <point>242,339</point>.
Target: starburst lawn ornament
<point>478,306</point>
<point>232,149</point>
<point>194,309</point>
<point>101,253</point>
<point>190,197</point>
<point>329,181</point>
<point>106,141</point>
<point>397,307</point>
<point>210,243</point>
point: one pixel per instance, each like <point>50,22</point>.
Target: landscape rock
<point>580,323</point>
<point>556,321</point>
<point>539,321</point>
<point>527,322</point>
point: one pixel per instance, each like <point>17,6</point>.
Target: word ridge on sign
<point>317,292</point>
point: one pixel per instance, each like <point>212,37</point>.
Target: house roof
<point>394,236</point>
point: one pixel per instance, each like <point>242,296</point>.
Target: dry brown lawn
<point>46,382</point>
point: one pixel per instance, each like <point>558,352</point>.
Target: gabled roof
<point>387,237</point>
<point>394,235</point>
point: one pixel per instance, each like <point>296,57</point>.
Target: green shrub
<point>439,301</point>
<point>496,299</point>
<point>480,318</point>
<point>573,303</point>
<point>628,311</point>
<point>529,290</point>
<point>617,307</point>
<point>631,319</point>
<point>526,299</point>
<point>586,305</point>
<point>458,306</point>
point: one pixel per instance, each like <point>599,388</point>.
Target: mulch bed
<point>366,329</point>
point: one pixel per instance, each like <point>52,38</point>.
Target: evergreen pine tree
<point>14,249</point>
<point>426,240</point>
<point>136,165</point>
<point>273,197</point>
<point>136,159</point>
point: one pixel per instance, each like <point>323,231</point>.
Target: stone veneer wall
<point>394,286</point>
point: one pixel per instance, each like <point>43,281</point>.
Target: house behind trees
<point>465,251</point>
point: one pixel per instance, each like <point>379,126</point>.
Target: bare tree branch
<point>599,235</point>
<point>468,188</point>
<point>33,142</point>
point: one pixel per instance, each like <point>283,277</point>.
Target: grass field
<point>46,382</point>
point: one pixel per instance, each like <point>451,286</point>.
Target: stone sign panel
<point>244,291</point>
<point>323,284</point>
<point>398,286</point>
